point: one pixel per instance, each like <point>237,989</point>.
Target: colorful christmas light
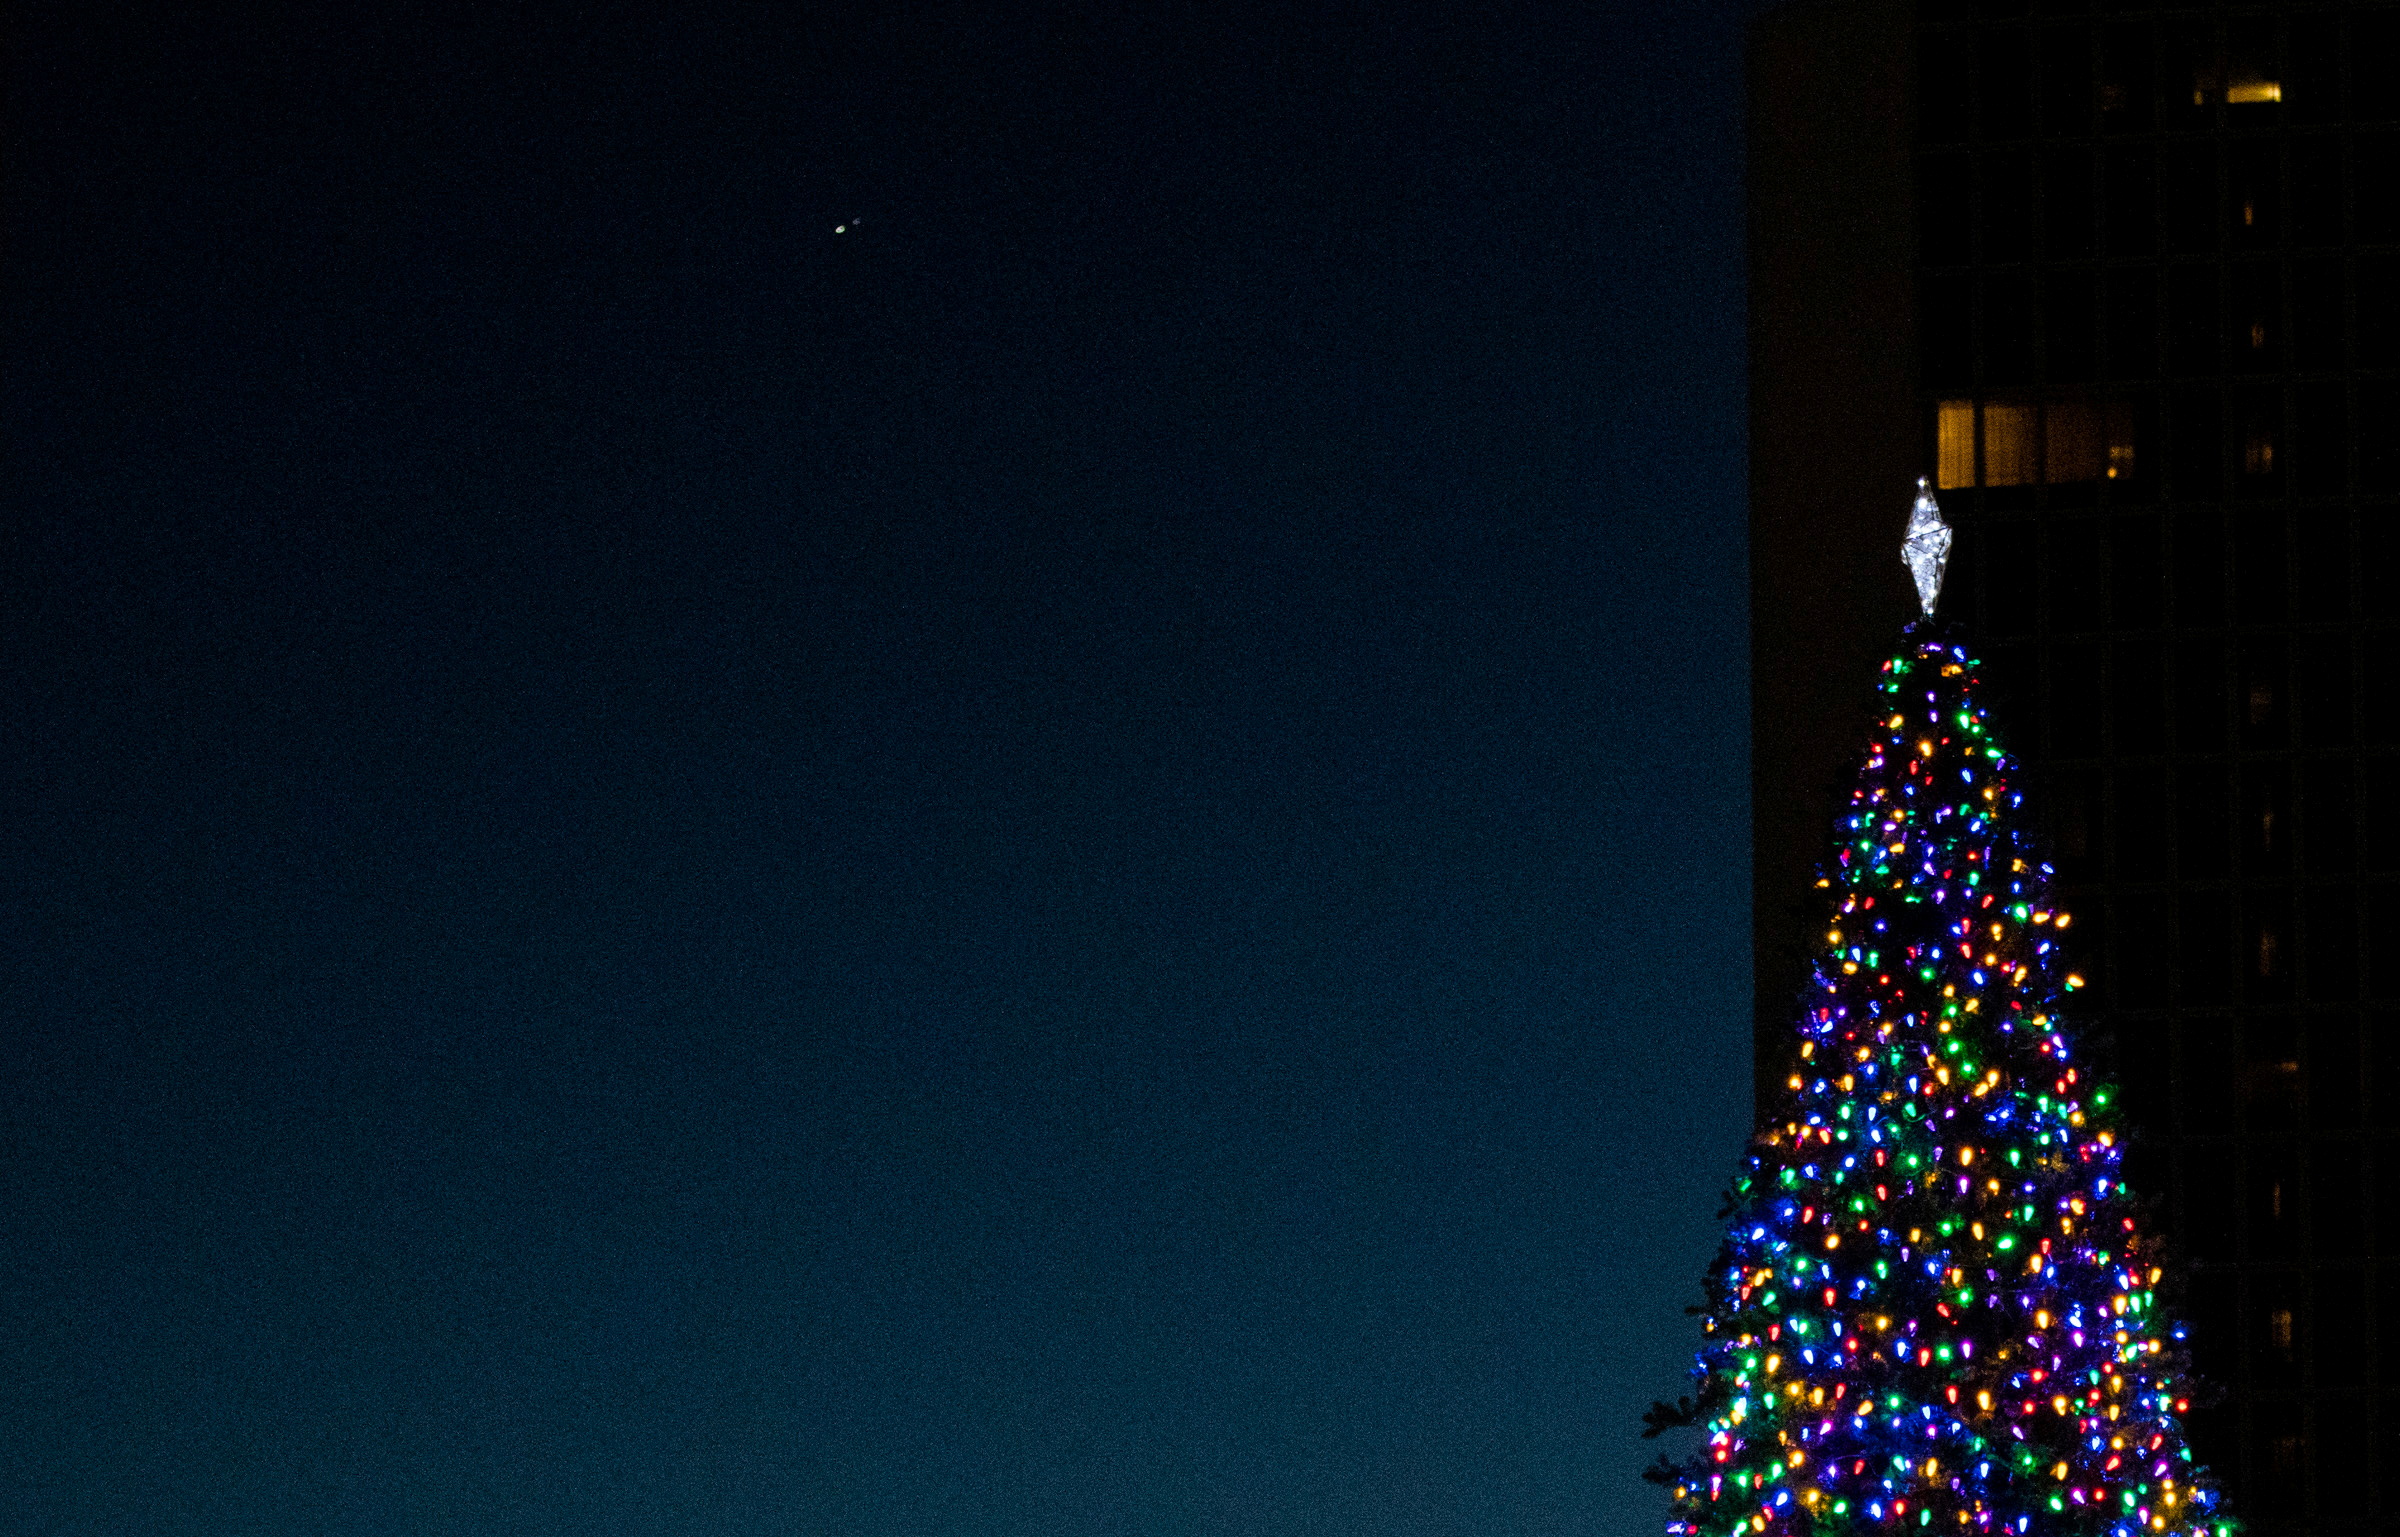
<point>1937,1308</point>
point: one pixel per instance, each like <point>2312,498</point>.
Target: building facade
<point>2125,281</point>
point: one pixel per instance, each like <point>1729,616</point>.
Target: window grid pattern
<point>2159,362</point>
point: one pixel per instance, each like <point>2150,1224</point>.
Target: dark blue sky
<point>1072,863</point>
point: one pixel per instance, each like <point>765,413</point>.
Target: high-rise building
<point>2125,282</point>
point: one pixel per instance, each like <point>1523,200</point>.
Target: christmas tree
<point>1937,1306</point>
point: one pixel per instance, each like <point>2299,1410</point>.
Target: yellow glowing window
<point>2238,85</point>
<point>2011,444</point>
<point>2064,443</point>
<point>1954,445</point>
<point>2258,452</point>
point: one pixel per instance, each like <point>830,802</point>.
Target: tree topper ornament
<point>1926,549</point>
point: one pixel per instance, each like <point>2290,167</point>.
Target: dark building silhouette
<point>2125,281</point>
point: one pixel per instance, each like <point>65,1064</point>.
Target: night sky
<point>1073,862</point>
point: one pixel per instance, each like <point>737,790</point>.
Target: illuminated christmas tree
<point>1937,1306</point>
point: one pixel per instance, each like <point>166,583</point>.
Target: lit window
<point>2068,442</point>
<point>2279,1328</point>
<point>2258,452</point>
<point>2238,84</point>
<point>2010,436</point>
<point>2089,440</point>
<point>1954,445</point>
<point>2078,447</point>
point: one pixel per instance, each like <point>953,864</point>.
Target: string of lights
<point>1937,1307</point>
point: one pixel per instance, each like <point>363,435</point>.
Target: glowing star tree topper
<point>1926,548</point>
<point>1937,1308</point>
